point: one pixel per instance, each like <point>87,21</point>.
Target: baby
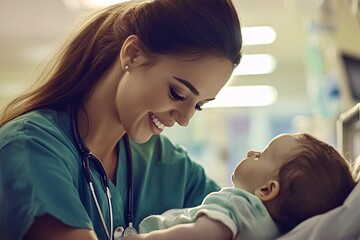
<point>294,178</point>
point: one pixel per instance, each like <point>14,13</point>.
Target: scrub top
<point>41,173</point>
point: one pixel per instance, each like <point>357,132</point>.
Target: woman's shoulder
<point>37,132</point>
<point>36,123</point>
<point>37,155</point>
<point>39,117</point>
<point>37,140</point>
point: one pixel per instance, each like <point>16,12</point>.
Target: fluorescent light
<point>253,64</point>
<point>258,35</point>
<point>244,96</point>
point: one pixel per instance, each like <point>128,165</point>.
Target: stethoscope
<point>86,157</point>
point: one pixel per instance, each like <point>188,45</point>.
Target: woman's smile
<point>156,124</point>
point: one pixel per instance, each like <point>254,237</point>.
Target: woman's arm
<point>203,229</point>
<point>49,228</point>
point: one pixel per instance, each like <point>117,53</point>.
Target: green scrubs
<point>41,173</point>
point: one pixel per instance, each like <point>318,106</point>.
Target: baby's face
<point>260,167</point>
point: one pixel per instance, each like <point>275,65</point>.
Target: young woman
<point>67,167</point>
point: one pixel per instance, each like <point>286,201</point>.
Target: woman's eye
<point>175,96</point>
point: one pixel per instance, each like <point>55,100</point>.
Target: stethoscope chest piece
<point>119,232</point>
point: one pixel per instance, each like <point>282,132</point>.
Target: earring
<point>126,67</point>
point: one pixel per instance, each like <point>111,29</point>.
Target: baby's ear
<point>268,191</point>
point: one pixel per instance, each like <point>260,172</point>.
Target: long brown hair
<point>165,27</point>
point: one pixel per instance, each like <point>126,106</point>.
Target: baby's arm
<point>203,229</point>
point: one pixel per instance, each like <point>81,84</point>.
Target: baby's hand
<point>134,237</point>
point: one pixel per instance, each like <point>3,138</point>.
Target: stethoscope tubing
<point>86,156</point>
<point>130,181</point>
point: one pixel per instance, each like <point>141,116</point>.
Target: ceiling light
<point>244,96</point>
<point>258,35</point>
<point>253,64</point>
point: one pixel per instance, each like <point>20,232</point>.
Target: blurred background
<point>300,70</point>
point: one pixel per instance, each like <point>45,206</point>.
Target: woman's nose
<point>183,116</point>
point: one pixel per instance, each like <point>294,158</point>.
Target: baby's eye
<point>253,154</point>
<point>175,96</point>
<point>198,107</point>
<point>256,155</point>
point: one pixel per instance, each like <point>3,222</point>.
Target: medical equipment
<point>86,157</point>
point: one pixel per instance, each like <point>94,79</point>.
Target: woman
<point>130,71</point>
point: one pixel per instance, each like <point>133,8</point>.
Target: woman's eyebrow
<point>188,85</point>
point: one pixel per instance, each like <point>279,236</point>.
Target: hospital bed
<point>342,222</point>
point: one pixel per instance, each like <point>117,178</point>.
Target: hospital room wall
<point>219,139</point>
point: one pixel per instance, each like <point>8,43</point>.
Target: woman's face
<point>167,92</point>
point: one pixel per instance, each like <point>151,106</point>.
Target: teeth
<point>157,122</point>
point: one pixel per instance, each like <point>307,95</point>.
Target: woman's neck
<point>100,126</point>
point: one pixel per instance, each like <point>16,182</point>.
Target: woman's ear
<point>268,191</point>
<point>130,51</point>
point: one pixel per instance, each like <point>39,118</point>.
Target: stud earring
<point>126,67</point>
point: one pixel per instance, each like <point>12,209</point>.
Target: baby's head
<point>296,177</point>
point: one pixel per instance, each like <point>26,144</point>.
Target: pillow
<point>339,223</point>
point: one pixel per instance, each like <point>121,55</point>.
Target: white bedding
<point>340,223</point>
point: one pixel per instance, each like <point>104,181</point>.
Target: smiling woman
<point>150,64</point>
<point>173,88</point>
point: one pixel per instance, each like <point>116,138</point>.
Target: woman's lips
<point>157,122</point>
